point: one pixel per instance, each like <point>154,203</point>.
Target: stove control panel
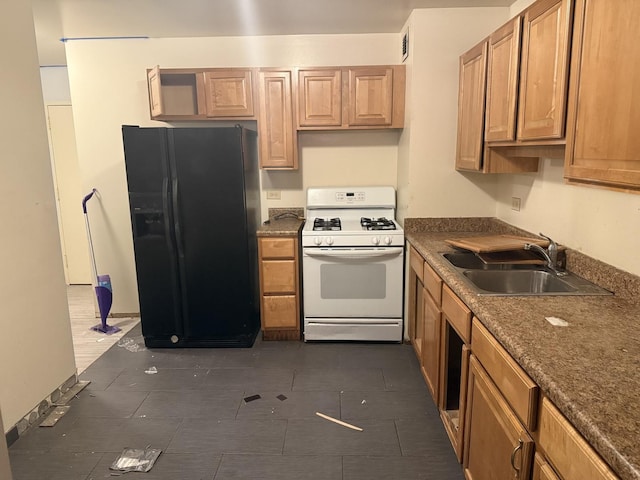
<point>350,197</point>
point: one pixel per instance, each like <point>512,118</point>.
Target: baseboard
<point>39,411</point>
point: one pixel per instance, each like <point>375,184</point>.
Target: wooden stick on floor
<point>339,422</point>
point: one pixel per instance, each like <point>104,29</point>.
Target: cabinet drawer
<point>417,263</point>
<point>515,385</point>
<point>279,276</point>
<point>279,311</point>
<point>433,284</point>
<point>456,313</point>
<point>277,247</point>
<point>571,456</point>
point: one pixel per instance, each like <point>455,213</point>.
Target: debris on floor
<point>54,415</point>
<point>151,371</point>
<point>133,344</point>
<point>339,422</point>
<point>71,393</point>
<point>251,398</point>
<point>136,460</point>
<point>281,397</point>
<point>364,402</point>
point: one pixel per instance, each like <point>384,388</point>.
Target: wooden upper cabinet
<point>544,70</point>
<point>370,96</point>
<point>276,129</point>
<point>471,103</point>
<point>175,94</point>
<point>229,93</point>
<point>502,82</point>
<point>320,97</point>
<point>336,98</point>
<point>155,92</point>
<point>603,145</point>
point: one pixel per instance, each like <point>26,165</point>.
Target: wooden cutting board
<point>494,243</point>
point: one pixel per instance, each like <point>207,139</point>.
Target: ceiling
<point>56,19</point>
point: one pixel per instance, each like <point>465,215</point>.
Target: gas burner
<point>327,224</point>
<point>377,223</point>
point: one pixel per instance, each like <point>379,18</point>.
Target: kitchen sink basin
<point>516,279</point>
<point>469,260</point>
<point>515,282</point>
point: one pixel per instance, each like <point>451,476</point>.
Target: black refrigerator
<point>195,208</point>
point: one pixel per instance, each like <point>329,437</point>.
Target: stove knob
<point>387,240</point>
<point>375,240</point>
<point>329,240</point>
<point>317,240</point>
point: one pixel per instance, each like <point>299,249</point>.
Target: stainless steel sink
<point>511,279</point>
<point>518,282</point>
<point>469,260</point>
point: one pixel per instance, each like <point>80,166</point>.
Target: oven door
<point>363,282</point>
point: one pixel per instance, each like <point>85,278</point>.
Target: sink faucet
<point>550,255</point>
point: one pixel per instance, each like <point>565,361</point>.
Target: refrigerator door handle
<point>165,209</point>
<point>176,218</point>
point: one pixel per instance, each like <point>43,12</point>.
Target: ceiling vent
<point>405,45</point>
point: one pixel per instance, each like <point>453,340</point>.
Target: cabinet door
<point>603,145</point>
<point>419,331</point>
<point>496,445</point>
<point>319,98</point>
<point>502,82</point>
<point>471,97</point>
<point>545,66</point>
<point>370,96</point>
<point>276,133</point>
<point>229,93</point>
<point>431,345</point>
<point>155,92</point>
<point>279,311</point>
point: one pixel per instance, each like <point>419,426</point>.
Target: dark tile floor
<point>193,409</point>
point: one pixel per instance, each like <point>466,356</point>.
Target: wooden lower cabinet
<point>454,366</point>
<point>490,408</point>
<point>569,453</point>
<point>497,446</point>
<point>425,319</point>
<point>279,288</point>
<point>416,301</point>
<point>430,358</point>
<point>542,470</point>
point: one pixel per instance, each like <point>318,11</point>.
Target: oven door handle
<point>355,253</point>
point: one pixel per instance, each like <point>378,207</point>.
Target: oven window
<point>348,281</point>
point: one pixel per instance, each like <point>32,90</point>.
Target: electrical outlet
<point>273,194</point>
<point>515,204</point>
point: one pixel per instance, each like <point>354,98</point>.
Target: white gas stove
<point>353,257</point>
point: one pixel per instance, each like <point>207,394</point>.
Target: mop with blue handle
<point>104,293</point>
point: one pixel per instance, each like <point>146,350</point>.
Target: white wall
<point>428,185</point>
<point>37,352</point>
<point>108,89</point>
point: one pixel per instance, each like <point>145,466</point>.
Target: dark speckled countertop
<point>590,369</point>
<point>285,227</point>
<point>283,222</point>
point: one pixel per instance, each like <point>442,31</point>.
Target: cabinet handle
<point>513,458</point>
